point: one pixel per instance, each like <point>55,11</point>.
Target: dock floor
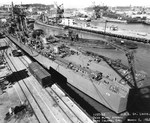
<point>47,105</point>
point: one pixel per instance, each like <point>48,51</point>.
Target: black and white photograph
<point>80,61</point>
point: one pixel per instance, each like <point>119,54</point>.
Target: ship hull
<point>95,90</point>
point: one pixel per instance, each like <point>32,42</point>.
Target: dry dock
<point>48,105</point>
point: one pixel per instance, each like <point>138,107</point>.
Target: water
<point>125,26</point>
<point>142,63</point>
<point>142,56</point>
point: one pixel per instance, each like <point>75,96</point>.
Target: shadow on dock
<point>17,76</point>
<point>63,84</point>
<point>57,77</point>
<point>2,36</point>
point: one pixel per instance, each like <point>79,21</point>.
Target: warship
<point>105,80</point>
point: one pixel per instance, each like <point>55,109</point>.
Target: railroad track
<point>51,92</point>
<point>37,103</point>
<point>65,109</point>
<point>12,68</point>
<point>26,91</point>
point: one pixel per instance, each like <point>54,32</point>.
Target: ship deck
<point>89,63</point>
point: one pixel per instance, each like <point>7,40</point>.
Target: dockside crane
<point>98,10</point>
<point>130,57</point>
<point>60,12</point>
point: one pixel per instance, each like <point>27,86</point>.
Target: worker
<point>11,111</point>
<point>77,37</point>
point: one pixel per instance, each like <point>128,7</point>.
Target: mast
<point>12,5</point>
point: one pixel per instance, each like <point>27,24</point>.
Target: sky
<point>82,3</point>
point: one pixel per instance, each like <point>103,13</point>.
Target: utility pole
<point>105,29</point>
<point>105,26</point>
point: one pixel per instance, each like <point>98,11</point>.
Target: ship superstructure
<point>103,79</point>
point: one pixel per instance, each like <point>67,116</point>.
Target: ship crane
<point>60,12</point>
<point>130,58</point>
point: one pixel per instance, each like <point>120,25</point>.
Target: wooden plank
<point>69,112</point>
<point>57,115</point>
<point>57,111</point>
<point>38,98</point>
<point>30,98</point>
<point>22,97</point>
<point>27,59</point>
<point>34,104</point>
<point>82,116</point>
